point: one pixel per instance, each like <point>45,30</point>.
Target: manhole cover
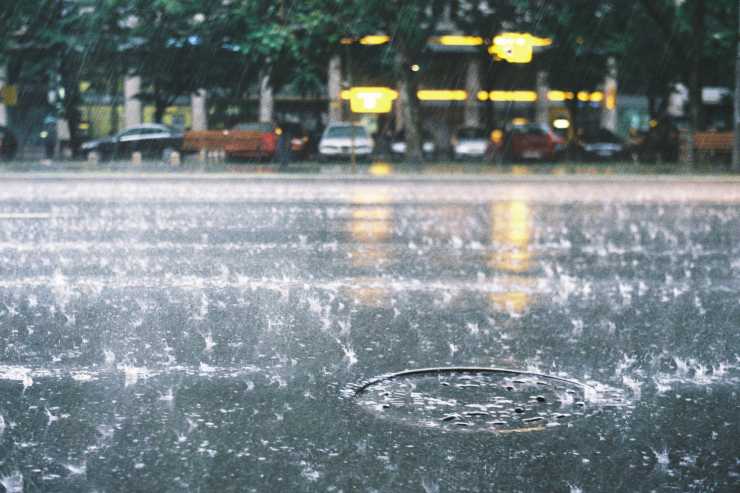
<point>474,399</point>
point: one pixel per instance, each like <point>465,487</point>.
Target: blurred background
<point>648,80</point>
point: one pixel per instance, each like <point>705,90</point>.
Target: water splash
<point>12,483</point>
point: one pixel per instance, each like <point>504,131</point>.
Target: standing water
<point>209,334</point>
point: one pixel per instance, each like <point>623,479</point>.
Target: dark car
<point>8,144</point>
<point>151,140</point>
<point>532,141</point>
<point>599,145</point>
<point>398,144</point>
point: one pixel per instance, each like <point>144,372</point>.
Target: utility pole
<point>736,147</point>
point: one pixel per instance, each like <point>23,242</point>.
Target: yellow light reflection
<point>483,95</point>
<point>370,227</point>
<point>514,296</point>
<point>511,230</point>
<point>442,95</point>
<point>583,96</point>
<point>511,234</point>
<point>596,97</point>
<point>380,169</point>
<point>369,291</point>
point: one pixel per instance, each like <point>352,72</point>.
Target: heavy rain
<point>369,246</point>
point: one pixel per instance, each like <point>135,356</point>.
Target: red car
<point>532,141</point>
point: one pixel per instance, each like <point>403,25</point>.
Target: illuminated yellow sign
<point>370,99</point>
<point>442,95</point>
<point>516,47</point>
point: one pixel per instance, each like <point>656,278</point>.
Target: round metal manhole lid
<point>475,399</point>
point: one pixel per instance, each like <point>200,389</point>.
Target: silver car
<point>339,140</point>
<point>470,143</point>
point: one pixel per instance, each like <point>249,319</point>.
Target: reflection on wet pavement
<point>196,334</point>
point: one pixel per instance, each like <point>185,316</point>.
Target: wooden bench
<point>714,141</point>
<point>712,145</point>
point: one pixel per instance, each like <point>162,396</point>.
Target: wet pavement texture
<point>227,334</point>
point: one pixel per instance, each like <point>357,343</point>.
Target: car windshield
<point>346,132</point>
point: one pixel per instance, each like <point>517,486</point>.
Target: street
<point>211,332</point>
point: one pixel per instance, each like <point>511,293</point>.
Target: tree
<point>56,43</point>
<point>698,35</point>
<point>410,23</point>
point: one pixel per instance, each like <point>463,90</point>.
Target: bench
<point>710,145</point>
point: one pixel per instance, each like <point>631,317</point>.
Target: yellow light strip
<point>516,96</point>
<point>559,95</point>
<point>442,95</point>
<point>375,39</point>
<point>458,40</point>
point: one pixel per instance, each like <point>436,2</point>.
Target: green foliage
<point>180,46</point>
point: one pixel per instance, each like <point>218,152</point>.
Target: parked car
<point>471,143</point>
<point>8,144</point>
<point>339,140</point>
<point>533,141</point>
<point>398,144</point>
<point>152,140</point>
<point>252,140</point>
<point>599,144</point>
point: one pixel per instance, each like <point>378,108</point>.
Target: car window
<point>346,132</point>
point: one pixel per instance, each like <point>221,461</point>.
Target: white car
<point>470,142</point>
<point>339,139</point>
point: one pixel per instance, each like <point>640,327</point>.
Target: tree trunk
<point>334,88</point>
<point>736,147</point>
<point>160,106</point>
<point>72,101</point>
<point>267,102</point>
<point>695,84</point>
<point>410,105</point>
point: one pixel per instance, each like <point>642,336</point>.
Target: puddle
<point>480,399</point>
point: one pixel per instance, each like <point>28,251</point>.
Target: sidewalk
<point>375,169</point>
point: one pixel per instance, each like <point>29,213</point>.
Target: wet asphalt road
<point>204,333</point>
